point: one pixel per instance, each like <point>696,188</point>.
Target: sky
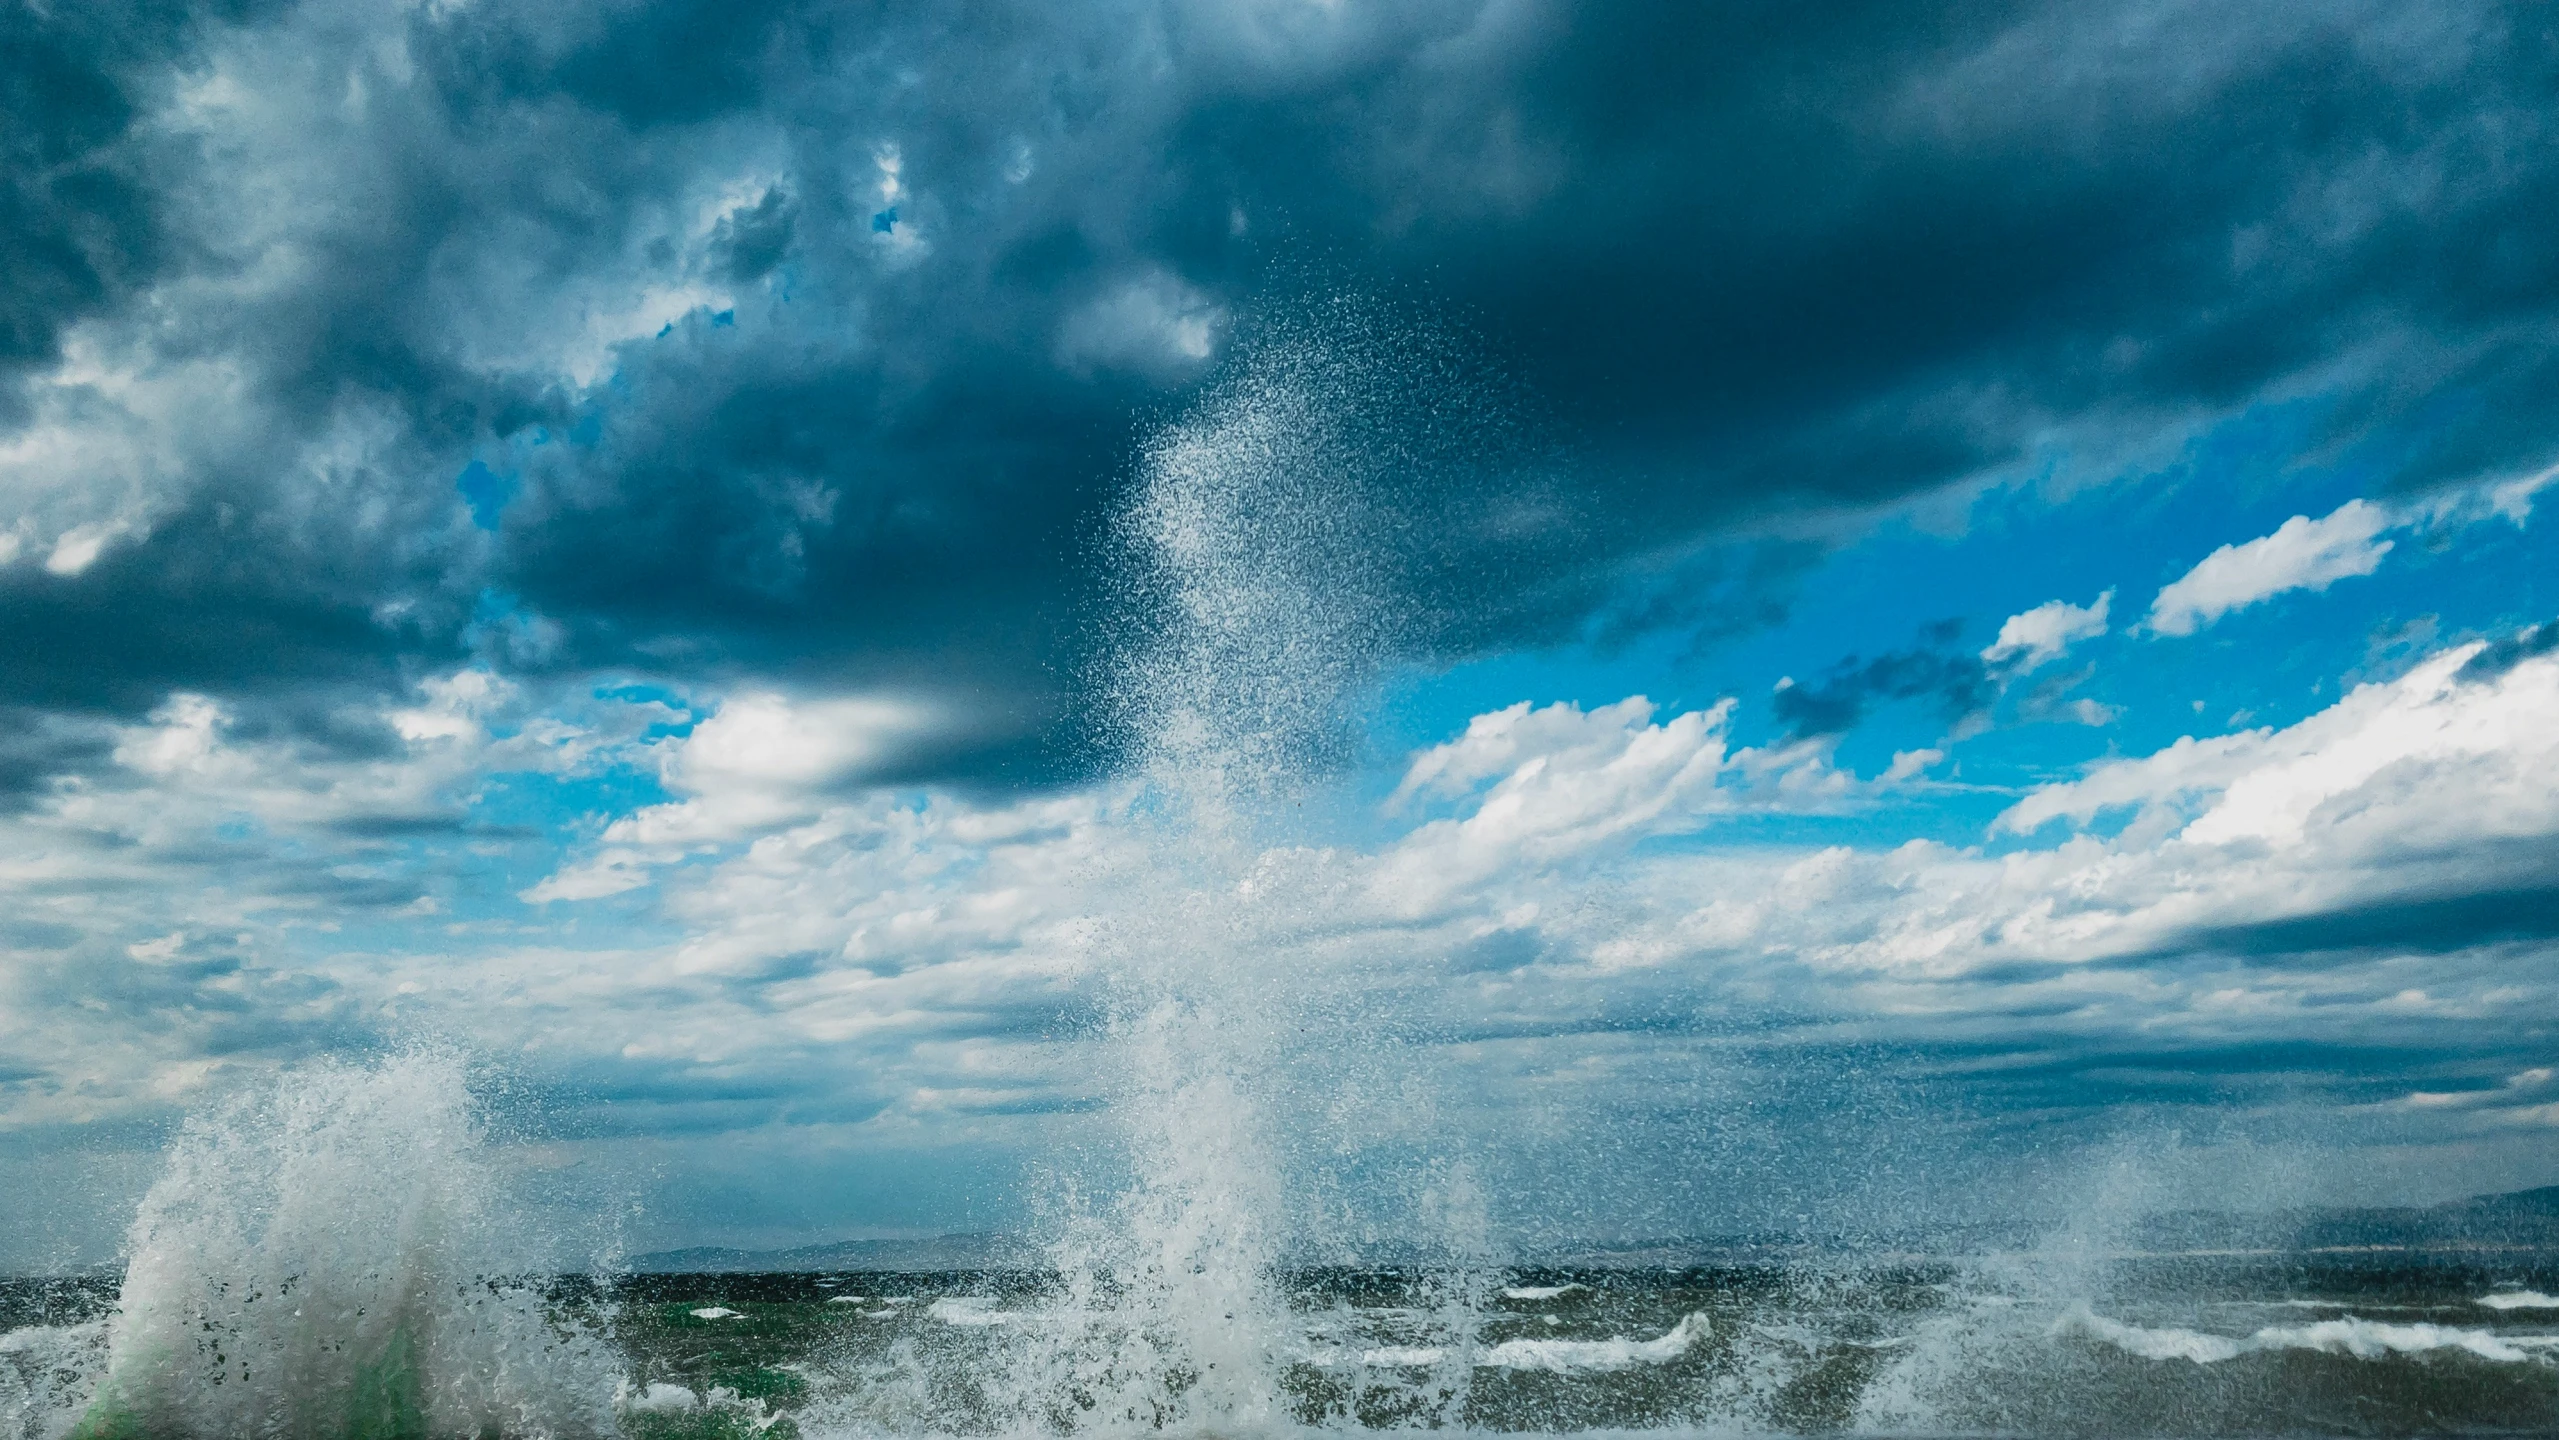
<point>1883,599</point>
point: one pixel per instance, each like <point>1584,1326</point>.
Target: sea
<point>2382,1340</point>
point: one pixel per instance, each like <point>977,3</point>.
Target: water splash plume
<point>1263,559</point>
<point>336,1257</point>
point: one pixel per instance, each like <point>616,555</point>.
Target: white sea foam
<point>717,1312</point>
<point>2362,1339</point>
<point>968,1310</point>
<point>1401,1356</point>
<point>46,1375</point>
<point>2161,1343</point>
<point>1566,1357</point>
<point>1561,1357</point>
<point>658,1400</point>
<point>2520,1300</point>
<point>1539,1292</point>
<point>740,1415</point>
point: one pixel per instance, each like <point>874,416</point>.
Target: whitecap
<point>2520,1300</point>
<point>1614,1353</point>
<point>844,1300</point>
<point>717,1312</point>
<point>1562,1357</point>
<point>2163,1343</point>
<point>2371,1339</point>
<point>1539,1292</point>
<point>2362,1339</point>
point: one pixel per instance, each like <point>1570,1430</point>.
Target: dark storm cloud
<point>202,988</point>
<point>204,606</point>
<point>2421,924</point>
<point>1955,680</point>
<point>36,747</point>
<point>1741,262</point>
<point>76,227</point>
<point>2505,653</point>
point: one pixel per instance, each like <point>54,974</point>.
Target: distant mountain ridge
<point>977,1251</point>
<point>2515,1220</point>
<point>2520,1220</point>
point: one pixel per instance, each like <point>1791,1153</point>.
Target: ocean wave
<point>2520,1300</point>
<point>1561,1357</point>
<point>1539,1292</point>
<point>741,1414</point>
<point>1615,1353</point>
<point>2362,1339</point>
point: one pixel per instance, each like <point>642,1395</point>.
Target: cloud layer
<point>619,532</point>
<point>789,338</point>
<point>2328,904</point>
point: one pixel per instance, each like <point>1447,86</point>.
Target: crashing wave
<point>337,1257</point>
<point>1561,1357</point>
<point>1565,1357</point>
<point>2362,1339</point>
<point>1539,1292</point>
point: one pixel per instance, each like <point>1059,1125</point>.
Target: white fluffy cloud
<point>1565,783</point>
<point>2419,791</point>
<point>1539,888</point>
<point>2428,786</point>
<point>2044,633</point>
<point>2431,785</point>
<point>2307,554</point>
<point>764,760</point>
<point>182,889</point>
<point>908,963</point>
<point>2302,554</point>
<point>2437,784</point>
<point>2485,747</point>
